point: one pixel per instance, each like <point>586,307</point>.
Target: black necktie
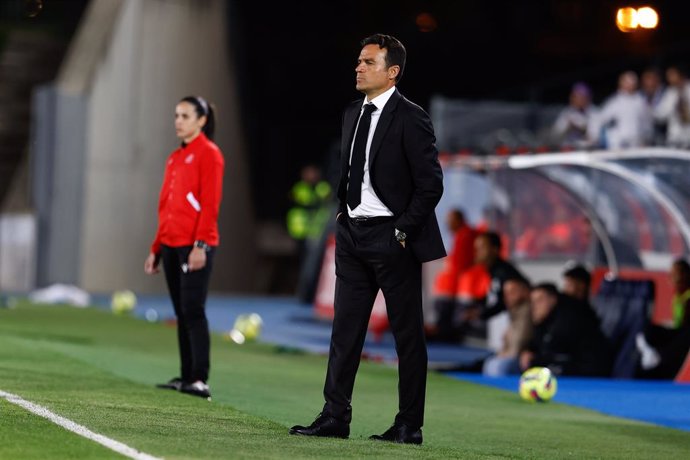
<point>354,188</point>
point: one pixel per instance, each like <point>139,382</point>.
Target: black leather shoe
<point>172,384</point>
<point>401,434</point>
<point>197,388</point>
<point>324,426</point>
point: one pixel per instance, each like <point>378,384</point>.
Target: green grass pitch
<point>99,370</point>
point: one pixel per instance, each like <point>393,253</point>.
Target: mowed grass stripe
<point>99,370</point>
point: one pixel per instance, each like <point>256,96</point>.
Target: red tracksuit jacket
<point>190,196</point>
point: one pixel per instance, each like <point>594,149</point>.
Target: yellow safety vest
<point>679,302</point>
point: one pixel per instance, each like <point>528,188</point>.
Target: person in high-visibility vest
<point>309,196</point>
<point>306,222</point>
<point>663,349</point>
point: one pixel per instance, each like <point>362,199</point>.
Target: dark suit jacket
<point>404,171</point>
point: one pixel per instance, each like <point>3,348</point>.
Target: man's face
<point>453,221</point>
<point>575,288</point>
<point>514,294</point>
<point>579,100</point>
<point>679,279</point>
<point>673,77</point>
<point>373,77</point>
<point>628,82</point>
<point>542,305</point>
<point>650,82</point>
<point>482,250</point>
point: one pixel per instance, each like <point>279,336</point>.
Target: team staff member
<point>390,183</point>
<point>188,235</point>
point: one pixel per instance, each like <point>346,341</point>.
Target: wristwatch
<point>202,244</point>
<point>400,235</point>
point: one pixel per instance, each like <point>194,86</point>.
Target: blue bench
<point>623,307</point>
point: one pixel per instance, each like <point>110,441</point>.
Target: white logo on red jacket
<point>189,158</point>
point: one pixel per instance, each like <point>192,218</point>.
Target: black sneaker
<point>197,388</point>
<point>173,384</point>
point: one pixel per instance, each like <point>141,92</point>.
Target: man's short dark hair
<point>549,288</point>
<point>683,266</point>
<point>680,67</point>
<point>395,51</point>
<point>493,238</point>
<point>458,213</point>
<point>517,278</point>
<point>578,273</point>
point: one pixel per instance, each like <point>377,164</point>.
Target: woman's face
<point>187,123</point>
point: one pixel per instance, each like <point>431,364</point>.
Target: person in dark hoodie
<point>577,282</point>
<point>564,340</point>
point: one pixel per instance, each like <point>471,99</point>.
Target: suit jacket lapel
<point>382,126</point>
<point>349,122</point>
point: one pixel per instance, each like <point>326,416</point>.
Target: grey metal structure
<point>636,202</point>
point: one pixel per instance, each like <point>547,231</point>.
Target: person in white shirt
<point>570,128</point>
<point>652,90</point>
<point>674,107</point>
<point>624,120</point>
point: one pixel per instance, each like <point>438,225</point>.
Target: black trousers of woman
<point>188,291</point>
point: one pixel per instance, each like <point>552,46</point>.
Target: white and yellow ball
<point>247,328</point>
<point>123,302</point>
<point>538,384</point>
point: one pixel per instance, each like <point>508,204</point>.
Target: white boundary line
<point>67,424</point>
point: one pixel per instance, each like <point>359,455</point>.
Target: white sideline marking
<point>67,424</point>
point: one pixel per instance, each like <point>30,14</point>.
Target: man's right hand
<point>151,265</point>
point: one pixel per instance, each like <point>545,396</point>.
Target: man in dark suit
<point>390,183</point>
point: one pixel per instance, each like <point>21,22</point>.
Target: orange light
<point>426,22</point>
<point>629,19</point>
<point>626,19</point>
<point>647,17</point>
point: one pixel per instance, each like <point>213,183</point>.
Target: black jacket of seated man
<point>570,343</point>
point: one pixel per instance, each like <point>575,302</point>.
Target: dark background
<point>296,61</point>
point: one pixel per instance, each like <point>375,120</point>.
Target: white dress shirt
<point>371,205</point>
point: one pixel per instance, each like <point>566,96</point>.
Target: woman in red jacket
<point>188,235</point>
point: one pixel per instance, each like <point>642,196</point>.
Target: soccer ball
<point>246,328</point>
<point>538,384</point>
<point>123,302</point>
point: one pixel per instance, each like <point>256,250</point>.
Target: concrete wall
<point>131,61</point>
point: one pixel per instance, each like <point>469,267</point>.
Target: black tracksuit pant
<point>188,294</point>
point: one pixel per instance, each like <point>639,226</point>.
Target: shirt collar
<point>380,100</point>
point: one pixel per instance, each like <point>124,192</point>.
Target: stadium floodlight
<point>629,19</point>
<point>626,19</point>
<point>647,17</point>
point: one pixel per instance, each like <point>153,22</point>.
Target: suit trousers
<point>188,293</point>
<point>369,258</point>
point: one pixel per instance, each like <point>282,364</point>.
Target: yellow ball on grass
<point>538,384</point>
<point>123,302</point>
